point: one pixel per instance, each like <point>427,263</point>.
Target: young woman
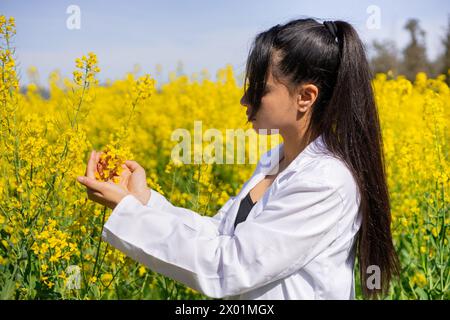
<point>294,229</point>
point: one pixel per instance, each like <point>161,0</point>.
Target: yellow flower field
<point>50,233</point>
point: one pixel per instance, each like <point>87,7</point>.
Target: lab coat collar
<point>269,164</point>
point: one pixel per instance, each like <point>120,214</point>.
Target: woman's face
<point>278,109</point>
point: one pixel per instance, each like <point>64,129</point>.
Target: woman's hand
<point>132,181</point>
<point>137,181</point>
<point>106,193</point>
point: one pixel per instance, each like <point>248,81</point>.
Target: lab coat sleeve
<point>158,201</point>
<point>297,223</point>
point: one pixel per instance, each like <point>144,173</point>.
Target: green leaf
<point>422,294</point>
<point>8,289</point>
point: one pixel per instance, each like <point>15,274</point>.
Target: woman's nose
<point>244,101</point>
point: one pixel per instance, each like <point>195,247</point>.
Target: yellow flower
<point>419,279</point>
<point>142,271</point>
<point>79,63</point>
<point>168,168</point>
<point>435,231</point>
<point>88,69</point>
<point>106,279</point>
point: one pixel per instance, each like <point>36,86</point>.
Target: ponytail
<point>352,130</point>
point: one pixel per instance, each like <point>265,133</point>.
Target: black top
<point>244,209</point>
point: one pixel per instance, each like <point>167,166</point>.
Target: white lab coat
<point>296,243</point>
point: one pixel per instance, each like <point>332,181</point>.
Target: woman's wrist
<point>143,196</point>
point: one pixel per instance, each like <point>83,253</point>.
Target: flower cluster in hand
<point>109,179</point>
<point>110,166</point>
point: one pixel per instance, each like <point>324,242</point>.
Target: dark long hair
<point>345,113</point>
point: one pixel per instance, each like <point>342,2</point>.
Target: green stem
<point>99,241</point>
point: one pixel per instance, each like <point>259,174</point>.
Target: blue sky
<point>201,34</point>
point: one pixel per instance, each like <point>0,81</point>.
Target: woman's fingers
<point>133,165</point>
<point>97,156</point>
<point>91,183</point>
<point>99,198</point>
<point>90,170</point>
<point>94,195</point>
<point>124,177</point>
<point>126,173</point>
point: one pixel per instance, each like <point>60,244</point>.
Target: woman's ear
<point>306,97</point>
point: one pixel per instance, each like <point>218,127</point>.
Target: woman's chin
<point>261,129</point>
<point>264,130</point>
<point>254,125</point>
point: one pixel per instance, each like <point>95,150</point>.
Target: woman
<point>294,229</point>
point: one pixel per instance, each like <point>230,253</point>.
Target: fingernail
<point>80,179</point>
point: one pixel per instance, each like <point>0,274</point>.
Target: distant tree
<point>385,57</point>
<point>180,68</point>
<point>414,55</point>
<point>437,66</point>
<point>445,58</point>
